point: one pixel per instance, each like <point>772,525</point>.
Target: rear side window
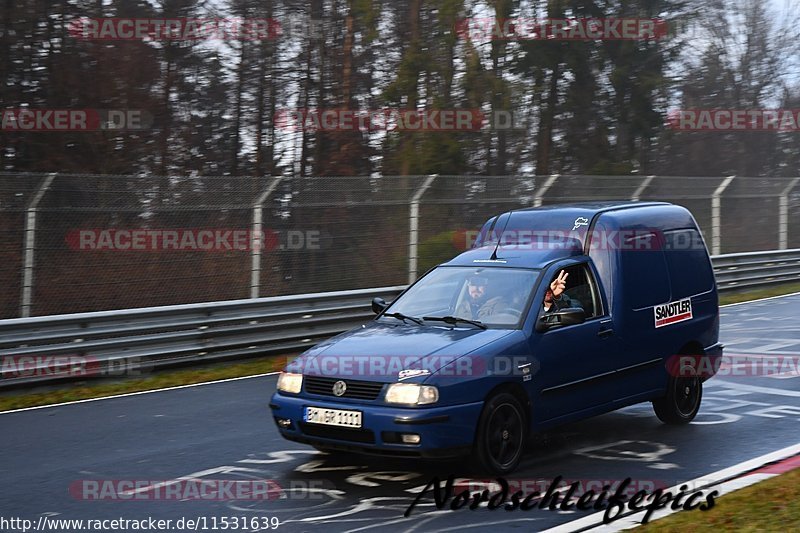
<point>687,260</point>
<point>645,277</point>
<point>603,261</point>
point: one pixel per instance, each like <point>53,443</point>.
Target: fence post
<point>537,200</point>
<point>716,216</point>
<point>29,247</point>
<point>643,187</point>
<point>256,242</point>
<point>783,216</point>
<point>413,228</point>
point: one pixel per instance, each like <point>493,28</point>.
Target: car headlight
<point>289,382</point>
<point>411,394</point>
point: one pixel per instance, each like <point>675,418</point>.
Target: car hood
<point>379,352</point>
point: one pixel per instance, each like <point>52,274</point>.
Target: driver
<point>478,304</point>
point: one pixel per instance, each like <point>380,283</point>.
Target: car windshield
<point>491,296</point>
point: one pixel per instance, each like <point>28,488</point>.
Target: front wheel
<point>500,440</point>
<point>681,402</point>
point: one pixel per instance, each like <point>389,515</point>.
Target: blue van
<point>555,314</point>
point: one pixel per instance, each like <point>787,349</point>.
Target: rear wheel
<point>500,440</point>
<point>681,402</point>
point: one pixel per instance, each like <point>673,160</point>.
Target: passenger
<point>554,298</point>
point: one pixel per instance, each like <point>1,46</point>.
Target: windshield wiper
<point>403,317</point>
<point>453,320</point>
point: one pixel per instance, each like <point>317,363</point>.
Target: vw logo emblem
<point>339,388</point>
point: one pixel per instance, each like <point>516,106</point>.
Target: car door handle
<point>603,333</point>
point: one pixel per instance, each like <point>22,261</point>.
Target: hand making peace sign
<point>559,284</point>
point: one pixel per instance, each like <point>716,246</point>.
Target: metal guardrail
<point>48,349</point>
<point>108,343</point>
<point>756,269</point>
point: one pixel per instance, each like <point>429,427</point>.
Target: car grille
<point>328,432</point>
<point>360,390</point>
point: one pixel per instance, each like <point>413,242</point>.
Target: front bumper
<point>445,431</point>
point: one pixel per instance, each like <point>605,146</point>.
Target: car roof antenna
<point>494,253</point>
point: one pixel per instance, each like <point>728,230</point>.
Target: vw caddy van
<point>426,378</point>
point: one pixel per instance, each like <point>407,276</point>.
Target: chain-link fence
<point>75,243</point>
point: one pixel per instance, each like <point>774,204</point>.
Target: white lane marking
<point>742,329</point>
<point>761,390</point>
<point>776,411</point>
<point>137,393</point>
<point>785,375</point>
<point>780,366</point>
<point>726,404</point>
<point>269,373</point>
<point>615,451</point>
<point>725,392</point>
<point>509,522</point>
<point>282,456</point>
<point>723,418</point>
<point>390,522</point>
<point>363,505</point>
<point>364,478</point>
<point>775,346</point>
<point>457,482</point>
<point>420,524</point>
<point>595,520</point>
<point>313,467</point>
<point>717,401</point>
<point>191,477</point>
<point>753,353</point>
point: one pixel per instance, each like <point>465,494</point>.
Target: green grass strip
<point>770,505</point>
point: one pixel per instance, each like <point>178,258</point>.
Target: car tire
<point>501,435</point>
<point>681,402</point>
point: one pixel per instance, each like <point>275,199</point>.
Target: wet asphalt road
<point>224,431</point>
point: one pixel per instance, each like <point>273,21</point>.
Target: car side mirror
<point>565,317</point>
<point>379,305</point>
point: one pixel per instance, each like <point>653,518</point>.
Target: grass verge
<point>769,505</point>
<point>757,294</point>
<point>173,378</point>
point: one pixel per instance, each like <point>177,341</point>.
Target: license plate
<point>332,417</point>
